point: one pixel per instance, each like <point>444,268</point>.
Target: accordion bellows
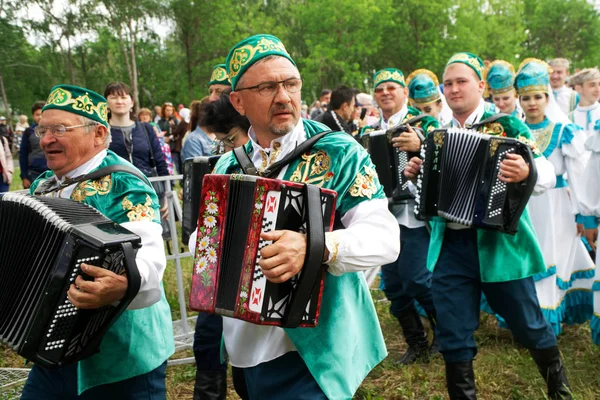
<point>459,180</point>
<point>43,241</point>
<point>227,280</point>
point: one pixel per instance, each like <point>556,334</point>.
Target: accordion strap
<point>493,118</point>
<point>313,262</point>
<point>91,176</point>
<point>249,169</point>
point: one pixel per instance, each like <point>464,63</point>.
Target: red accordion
<point>227,280</point>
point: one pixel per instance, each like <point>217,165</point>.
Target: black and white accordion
<point>459,180</point>
<point>194,170</point>
<point>390,161</point>
<point>227,280</point>
<point>43,241</point>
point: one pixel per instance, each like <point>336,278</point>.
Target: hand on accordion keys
<point>407,141</point>
<point>513,169</point>
<point>284,258</point>
<point>106,288</point>
<point>411,171</point>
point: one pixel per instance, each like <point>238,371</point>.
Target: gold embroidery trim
<point>364,185</point>
<point>314,169</point>
<point>243,55</point>
<point>139,212</point>
<point>493,128</point>
<point>101,187</point>
<point>332,240</point>
<point>543,137</point>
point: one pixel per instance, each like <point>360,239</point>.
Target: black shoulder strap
<point>249,169</point>
<point>414,120</point>
<point>493,118</point>
<point>313,262</point>
<point>92,176</point>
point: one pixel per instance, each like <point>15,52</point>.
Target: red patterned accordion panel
<point>227,280</point>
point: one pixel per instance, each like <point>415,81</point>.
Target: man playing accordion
<point>466,261</point>
<point>331,359</point>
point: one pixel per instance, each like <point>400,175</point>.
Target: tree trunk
<point>188,65</point>
<point>134,80</point>
<point>70,62</point>
<point>124,49</point>
<point>84,68</point>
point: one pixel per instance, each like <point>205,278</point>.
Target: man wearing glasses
<point>332,359</point>
<point>406,279</point>
<point>74,134</point>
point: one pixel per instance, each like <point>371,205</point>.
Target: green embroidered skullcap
<point>388,75</point>
<point>423,87</point>
<point>219,76</point>
<point>470,60</point>
<point>533,77</point>
<point>80,101</point>
<point>244,54</point>
<point>499,78</point>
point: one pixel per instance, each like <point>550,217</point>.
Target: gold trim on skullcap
<point>78,100</point>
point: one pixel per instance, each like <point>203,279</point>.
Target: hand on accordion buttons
<point>411,171</point>
<point>106,288</point>
<point>513,169</point>
<point>284,258</point>
<point>407,141</point>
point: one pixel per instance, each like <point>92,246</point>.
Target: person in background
<point>587,112</point>
<point>135,141</point>
<point>566,97</point>
<point>157,114</point>
<point>19,129</point>
<point>32,159</point>
<point>6,165</point>
<point>341,110</point>
<point>321,106</point>
<point>167,123</point>
<point>229,126</point>
<point>145,115</point>
<point>499,77</point>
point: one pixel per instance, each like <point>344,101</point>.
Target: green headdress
<point>533,77</point>
<point>499,78</point>
<point>423,87</point>
<point>219,76</point>
<point>470,60</point>
<point>388,75</point>
<point>244,54</point>
<point>80,101</point>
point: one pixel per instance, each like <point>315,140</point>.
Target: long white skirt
<point>565,290</point>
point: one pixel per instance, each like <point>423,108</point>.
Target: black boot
<point>210,385</point>
<point>460,381</point>
<point>415,337</point>
<point>553,371</point>
<point>435,344</point>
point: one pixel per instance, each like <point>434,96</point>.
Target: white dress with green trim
<point>589,204</point>
<point>565,289</point>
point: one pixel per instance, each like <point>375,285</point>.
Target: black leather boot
<point>553,371</point>
<point>210,385</point>
<point>415,336</point>
<point>435,344</point>
<point>460,381</point>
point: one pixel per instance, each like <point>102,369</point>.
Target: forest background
<point>165,49</point>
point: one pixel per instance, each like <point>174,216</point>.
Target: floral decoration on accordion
<point>364,185</point>
<point>206,244</point>
<point>250,256</point>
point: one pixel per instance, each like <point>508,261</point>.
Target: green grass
<point>503,369</point>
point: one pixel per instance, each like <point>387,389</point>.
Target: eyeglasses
<point>229,140</point>
<point>389,88</point>
<point>266,89</point>
<point>57,130</point>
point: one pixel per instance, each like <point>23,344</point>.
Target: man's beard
<point>283,128</point>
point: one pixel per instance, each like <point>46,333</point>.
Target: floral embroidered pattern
<point>314,169</point>
<point>494,128</point>
<point>206,247</point>
<point>531,143</point>
<point>364,185</point>
<point>101,187</point>
<point>543,137</point>
<point>139,212</point>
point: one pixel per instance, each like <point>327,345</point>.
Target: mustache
<point>281,107</point>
